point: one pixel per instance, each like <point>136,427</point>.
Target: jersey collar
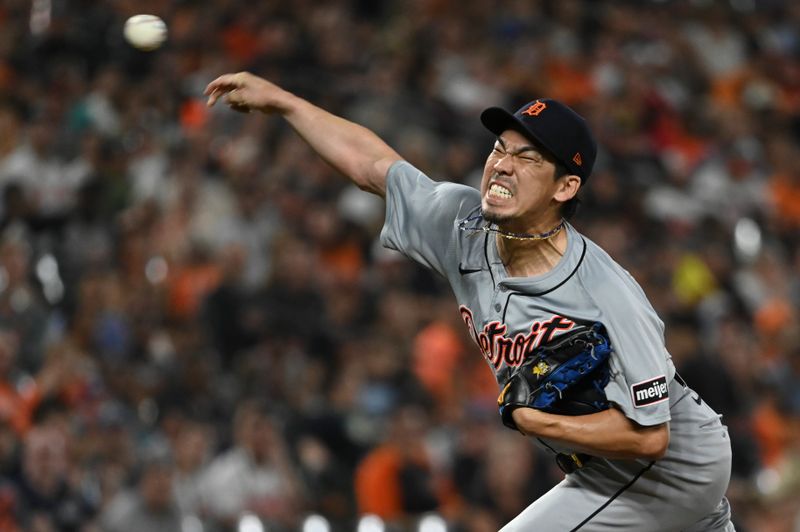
<point>547,282</point>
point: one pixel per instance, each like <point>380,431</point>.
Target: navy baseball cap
<point>555,126</point>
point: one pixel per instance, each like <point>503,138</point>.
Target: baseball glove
<point>566,376</point>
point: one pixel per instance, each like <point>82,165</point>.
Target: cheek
<point>532,191</point>
<point>487,174</point>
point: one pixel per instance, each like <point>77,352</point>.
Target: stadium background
<point>200,332</point>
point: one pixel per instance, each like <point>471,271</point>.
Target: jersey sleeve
<point>641,368</point>
<point>422,215</point>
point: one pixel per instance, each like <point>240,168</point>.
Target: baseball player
<point>659,458</point>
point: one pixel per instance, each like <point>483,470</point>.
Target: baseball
<point>145,32</point>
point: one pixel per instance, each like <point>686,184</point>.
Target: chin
<point>495,217</point>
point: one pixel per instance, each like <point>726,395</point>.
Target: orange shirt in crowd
<point>785,195</point>
<point>189,286</point>
<point>772,433</point>
<point>377,485</point>
<point>18,405</point>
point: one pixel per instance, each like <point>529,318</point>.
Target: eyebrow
<point>521,149</point>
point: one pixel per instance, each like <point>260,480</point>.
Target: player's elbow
<point>653,442</point>
<point>369,174</point>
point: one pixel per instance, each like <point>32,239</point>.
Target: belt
<point>569,463</point>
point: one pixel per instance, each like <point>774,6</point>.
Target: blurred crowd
<point>200,332</point>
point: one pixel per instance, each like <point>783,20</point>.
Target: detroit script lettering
<point>499,349</point>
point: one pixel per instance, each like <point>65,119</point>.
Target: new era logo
<point>650,392</point>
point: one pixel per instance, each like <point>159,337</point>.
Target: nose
<point>504,164</point>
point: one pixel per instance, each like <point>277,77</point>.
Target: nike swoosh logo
<point>465,271</point>
<point>697,399</point>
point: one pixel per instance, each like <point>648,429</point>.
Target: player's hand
<point>245,92</point>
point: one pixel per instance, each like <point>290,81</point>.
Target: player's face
<point>518,186</point>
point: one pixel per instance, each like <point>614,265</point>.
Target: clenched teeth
<point>500,191</point>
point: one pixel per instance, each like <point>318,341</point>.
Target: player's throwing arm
<point>353,150</point>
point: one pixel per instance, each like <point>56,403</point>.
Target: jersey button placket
<point>498,294</point>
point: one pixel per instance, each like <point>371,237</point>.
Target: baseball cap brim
<point>498,120</point>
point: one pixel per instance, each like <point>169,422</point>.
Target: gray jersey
<point>508,317</point>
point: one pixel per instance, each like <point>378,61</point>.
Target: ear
<point>567,187</point>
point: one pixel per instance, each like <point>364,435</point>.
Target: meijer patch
<point>650,392</point>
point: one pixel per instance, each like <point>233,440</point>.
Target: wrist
<point>533,422</point>
<point>521,417</point>
<point>288,104</point>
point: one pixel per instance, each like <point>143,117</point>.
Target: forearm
<point>353,150</point>
<point>608,433</point>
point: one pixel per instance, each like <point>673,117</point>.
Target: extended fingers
<point>216,91</point>
<point>229,81</point>
<point>223,84</point>
<point>213,96</point>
